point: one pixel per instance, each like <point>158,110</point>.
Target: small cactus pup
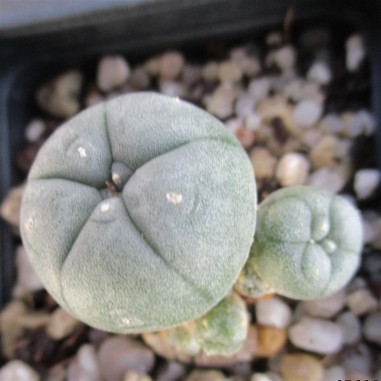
<point>139,213</point>
<point>220,332</point>
<point>307,245</point>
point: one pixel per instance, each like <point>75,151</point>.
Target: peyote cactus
<point>222,331</point>
<point>307,245</point>
<point>139,213</point>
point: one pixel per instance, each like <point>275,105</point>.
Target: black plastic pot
<point>31,54</point>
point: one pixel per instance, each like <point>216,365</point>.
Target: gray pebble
<point>34,130</point>
<point>355,52</point>
<point>351,327</point>
<point>317,335</point>
<point>307,113</point>
<point>361,302</point>
<point>372,327</point>
<point>327,307</point>
<point>120,354</point>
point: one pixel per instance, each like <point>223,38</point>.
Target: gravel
<point>302,121</point>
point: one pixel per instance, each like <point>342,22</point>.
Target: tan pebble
<point>263,162</point>
<point>171,65</point>
<point>220,103</point>
<point>326,152</point>
<point>301,367</point>
<point>270,340</point>
<point>245,136</point>
<point>60,97</point>
<point>276,106</point>
<point>34,320</point>
<point>10,207</point>
<point>206,375</point>
<point>152,66</point>
<point>61,324</point>
<point>136,376</point>
<point>210,72</point>
<point>10,326</point>
<point>229,71</point>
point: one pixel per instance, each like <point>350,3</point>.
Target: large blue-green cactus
<point>139,213</point>
<point>307,245</point>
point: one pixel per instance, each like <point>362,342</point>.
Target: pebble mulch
<point>301,109</point>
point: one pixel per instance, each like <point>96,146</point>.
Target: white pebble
<point>34,130</point>
<point>113,71</point>
<point>317,335</point>
<point>274,312</point>
<point>327,178</point>
<point>259,88</point>
<point>320,73</point>
<point>253,122</point>
<point>372,328</point>
<point>172,88</point>
<point>284,58</point>
<point>351,327</point>
<point>85,366</point>
<point>307,113</point>
<point>327,307</point>
<point>171,65</point>
<point>365,182</point>
<point>292,169</point>
<point>361,302</point>
<point>229,71</point>
<point>17,370</point>
<point>334,373</point>
<point>244,105</point>
<point>61,324</point>
<point>355,52</point>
